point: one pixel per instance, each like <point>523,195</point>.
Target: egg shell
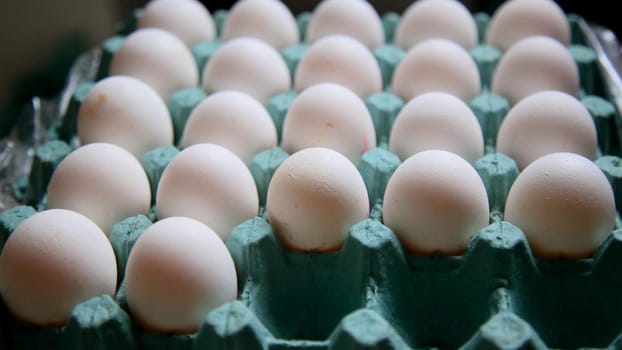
<point>53,261</point>
<point>342,60</point>
<point>355,18</point>
<point>178,270</point>
<point>267,20</point>
<point>436,65</point>
<point>101,181</point>
<point>158,58</point>
<point>332,116</point>
<point>517,19</point>
<point>189,20</point>
<point>209,183</point>
<point>547,122</point>
<point>535,64</point>
<point>314,197</point>
<point>437,120</point>
<point>429,19</point>
<point>233,120</point>
<point>564,204</point>
<point>126,112</point>
<point>241,64</point>
<point>435,202</point>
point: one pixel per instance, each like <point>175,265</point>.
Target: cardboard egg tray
<point>370,294</point>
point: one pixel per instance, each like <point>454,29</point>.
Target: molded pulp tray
<point>370,294</point>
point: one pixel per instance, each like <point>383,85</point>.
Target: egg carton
<point>371,294</point>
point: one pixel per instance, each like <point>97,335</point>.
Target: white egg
<point>53,261</point>
<point>267,20</point>
<point>355,18</point>
<point>517,19</point>
<point>547,122</point>
<point>342,60</point>
<point>437,120</point>
<point>158,58</point>
<point>248,65</point>
<point>436,65</point>
<point>208,183</point>
<point>178,271</point>
<point>429,19</point>
<point>189,20</point>
<point>126,112</point>
<point>233,120</point>
<point>564,204</point>
<point>535,64</point>
<point>101,181</point>
<point>435,202</point>
<point>332,116</point>
<point>315,196</point>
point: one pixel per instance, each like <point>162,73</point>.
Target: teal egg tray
<point>371,293</point>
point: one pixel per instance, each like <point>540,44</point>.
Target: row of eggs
<point>314,196</point>
<point>125,111</point>
<point>434,202</point>
<point>272,22</point>
<point>436,60</point>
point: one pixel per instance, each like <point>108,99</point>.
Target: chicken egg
<point>564,204</point>
<point>101,181</point>
<point>268,20</point>
<point>189,20</point>
<point>436,65</point>
<point>534,64</point>
<point>429,19</point>
<point>547,122</point>
<point>209,183</point>
<point>332,116</point>
<point>435,202</point>
<point>178,271</point>
<point>437,120</point>
<point>53,261</point>
<point>355,18</point>
<point>126,112</point>
<point>248,65</point>
<point>517,19</point>
<point>233,120</point>
<point>342,60</point>
<point>314,197</point>
<point>158,58</point>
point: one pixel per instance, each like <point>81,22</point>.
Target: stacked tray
<point>371,293</point>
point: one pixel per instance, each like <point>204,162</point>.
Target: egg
<point>564,204</point>
<point>101,181</point>
<point>158,58</point>
<point>126,112</point>
<point>53,261</point>
<point>314,197</point>
<point>332,116</point>
<point>437,120</point>
<point>342,60</point>
<point>178,270</point>
<point>268,20</point>
<point>429,19</point>
<point>189,20</point>
<point>547,122</point>
<point>535,64</point>
<point>209,183</point>
<point>355,18</point>
<point>248,65</point>
<point>435,202</point>
<point>233,120</point>
<point>436,65</point>
<point>517,19</point>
